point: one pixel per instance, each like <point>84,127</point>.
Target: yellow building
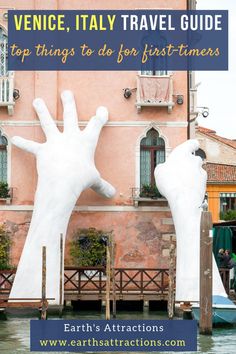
<point>219,155</point>
<point>221,189</point>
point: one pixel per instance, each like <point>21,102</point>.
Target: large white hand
<point>65,166</point>
<point>67,159</point>
<point>182,180</point>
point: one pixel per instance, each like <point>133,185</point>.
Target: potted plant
<point>149,191</point>
<point>228,215</point>
<point>86,248</point>
<point>4,190</point>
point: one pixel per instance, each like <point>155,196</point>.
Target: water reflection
<point>205,344</point>
<point>15,336</point>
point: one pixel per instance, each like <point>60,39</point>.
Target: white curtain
<point>145,167</point>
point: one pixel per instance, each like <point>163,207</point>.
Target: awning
<point>227,195</point>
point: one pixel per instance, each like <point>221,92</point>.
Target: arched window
<point>3,158</point>
<point>152,153</point>
<point>201,153</point>
<point>3,53</point>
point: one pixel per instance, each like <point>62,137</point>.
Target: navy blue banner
<point>118,40</point>
<point>114,335</point>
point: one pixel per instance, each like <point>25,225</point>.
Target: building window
<point>227,202</point>
<point>154,72</point>
<point>3,158</point>
<point>3,53</point>
<point>201,153</point>
<point>152,153</point>
<point>155,62</point>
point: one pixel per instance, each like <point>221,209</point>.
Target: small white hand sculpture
<point>65,166</point>
<point>182,180</point>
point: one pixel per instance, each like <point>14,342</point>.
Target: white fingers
<point>104,188</point>
<point>191,145</point>
<point>25,144</point>
<point>70,113</point>
<point>187,148</point>
<point>47,123</point>
<point>96,123</point>
<point>102,115</point>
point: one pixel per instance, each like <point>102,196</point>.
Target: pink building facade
<point>139,135</point>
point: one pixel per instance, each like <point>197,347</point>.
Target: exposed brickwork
<point>147,231</point>
<point>140,238</point>
<point>133,256</point>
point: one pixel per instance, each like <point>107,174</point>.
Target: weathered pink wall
<point>115,159</point>
<point>140,236</point>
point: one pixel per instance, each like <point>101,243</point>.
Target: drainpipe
<point>190,5</point>
<point>188,87</point>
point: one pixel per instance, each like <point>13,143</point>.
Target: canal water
<point>14,333</point>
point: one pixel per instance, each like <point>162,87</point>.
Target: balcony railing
<point>144,195</point>
<point>155,91</point>
<point>6,92</point>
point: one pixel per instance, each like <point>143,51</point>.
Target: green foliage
<point>5,243</point>
<point>86,248</point>
<point>228,215</point>
<point>149,191</point>
<point>4,190</point>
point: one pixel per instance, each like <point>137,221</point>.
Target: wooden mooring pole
<point>44,271</point>
<point>113,278</point>
<point>205,322</point>
<point>108,278</point>
<point>61,275</point>
<point>171,297</point>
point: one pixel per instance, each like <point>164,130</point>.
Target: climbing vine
<point>87,247</point>
<point>5,243</point>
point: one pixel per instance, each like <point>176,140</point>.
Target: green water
<point>14,333</point>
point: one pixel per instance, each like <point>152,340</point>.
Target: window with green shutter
<point>3,158</point>
<point>152,153</point>
<point>3,53</point>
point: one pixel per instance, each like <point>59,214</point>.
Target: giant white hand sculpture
<point>182,180</point>
<point>65,166</point>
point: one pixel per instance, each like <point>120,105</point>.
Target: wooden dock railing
<point>6,280</point>
<point>92,280</point>
<point>141,280</point>
<point>82,279</point>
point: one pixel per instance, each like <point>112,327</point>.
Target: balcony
<point>154,91</point>
<point>6,92</point>
<point>147,195</point>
